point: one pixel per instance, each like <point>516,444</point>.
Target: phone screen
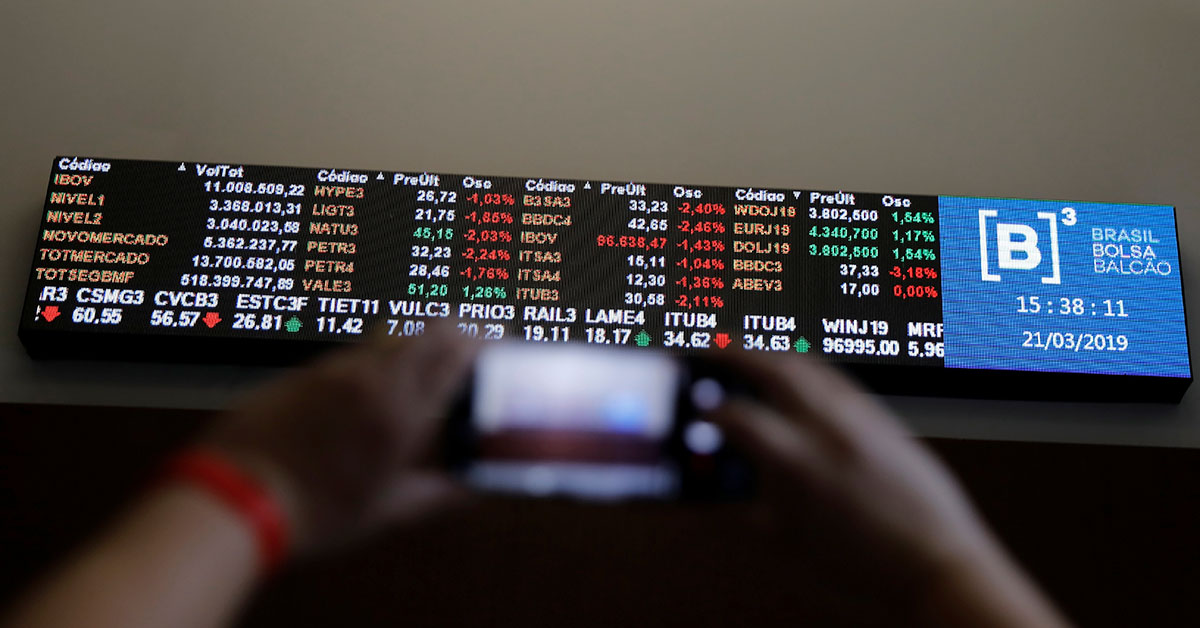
<point>585,422</point>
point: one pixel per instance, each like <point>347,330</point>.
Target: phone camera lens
<point>703,438</point>
<point>707,394</point>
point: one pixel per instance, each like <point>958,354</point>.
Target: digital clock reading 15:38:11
<point>1067,306</point>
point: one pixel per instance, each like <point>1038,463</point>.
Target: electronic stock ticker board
<point>929,295</point>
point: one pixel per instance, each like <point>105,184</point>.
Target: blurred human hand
<point>869,507</point>
<point>347,444</point>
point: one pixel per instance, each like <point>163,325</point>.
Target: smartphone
<point>593,423</point>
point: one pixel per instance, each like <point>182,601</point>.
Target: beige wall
<point>1083,100</point>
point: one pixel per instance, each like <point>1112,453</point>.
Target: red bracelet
<point>222,479</point>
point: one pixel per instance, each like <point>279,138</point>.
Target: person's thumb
<point>419,495</point>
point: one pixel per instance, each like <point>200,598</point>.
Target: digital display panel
<point>918,294</point>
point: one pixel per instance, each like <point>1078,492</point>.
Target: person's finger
<point>420,383</point>
<point>393,351</point>
<point>416,495</point>
<point>436,366</point>
<point>836,407</point>
<point>769,437</point>
<point>788,382</point>
<point>445,359</point>
<point>380,346</point>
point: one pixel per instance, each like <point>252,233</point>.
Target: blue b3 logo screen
<point>1062,287</point>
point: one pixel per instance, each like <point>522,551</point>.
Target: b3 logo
<point>1018,246</point>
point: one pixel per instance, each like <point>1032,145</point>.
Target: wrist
<point>277,483</point>
<point>250,490</point>
<point>983,587</point>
